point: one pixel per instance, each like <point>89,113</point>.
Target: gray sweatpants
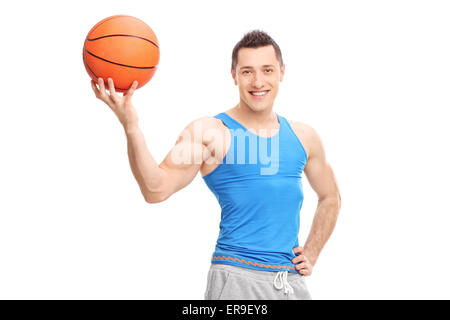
<point>226,282</point>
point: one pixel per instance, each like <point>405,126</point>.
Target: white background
<point>372,77</point>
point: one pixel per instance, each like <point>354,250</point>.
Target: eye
<point>245,72</point>
<point>270,70</point>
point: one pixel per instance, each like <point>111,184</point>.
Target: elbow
<point>332,199</point>
<point>155,197</point>
<point>152,200</point>
<point>338,201</point>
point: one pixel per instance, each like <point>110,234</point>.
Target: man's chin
<point>256,107</point>
<point>259,106</point>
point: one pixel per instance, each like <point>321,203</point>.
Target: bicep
<point>183,161</point>
<point>318,171</point>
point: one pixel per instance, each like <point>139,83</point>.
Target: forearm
<point>145,169</point>
<point>323,224</point>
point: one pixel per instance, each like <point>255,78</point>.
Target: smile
<point>259,94</point>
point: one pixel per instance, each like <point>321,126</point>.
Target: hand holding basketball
<point>121,105</point>
<point>121,47</point>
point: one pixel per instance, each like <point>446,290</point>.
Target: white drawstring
<point>282,278</point>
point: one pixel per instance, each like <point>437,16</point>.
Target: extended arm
<point>157,182</point>
<point>178,169</point>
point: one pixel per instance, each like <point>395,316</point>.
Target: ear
<point>282,72</point>
<point>233,74</point>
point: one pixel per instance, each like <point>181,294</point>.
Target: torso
<point>219,145</point>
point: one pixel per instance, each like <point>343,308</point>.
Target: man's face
<point>258,76</point>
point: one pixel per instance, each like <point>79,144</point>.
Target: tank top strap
<point>229,122</point>
<point>282,121</point>
<point>287,127</point>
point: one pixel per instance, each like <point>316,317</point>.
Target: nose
<point>257,80</point>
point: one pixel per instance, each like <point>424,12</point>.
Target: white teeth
<point>259,93</point>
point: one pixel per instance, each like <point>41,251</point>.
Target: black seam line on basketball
<point>123,35</point>
<point>87,65</point>
<point>119,64</point>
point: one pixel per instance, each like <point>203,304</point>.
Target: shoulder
<point>207,125</point>
<point>308,136</point>
<point>301,127</point>
<point>202,128</point>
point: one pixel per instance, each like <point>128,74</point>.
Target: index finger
<point>131,90</point>
<point>94,87</point>
<point>111,87</point>
<point>298,250</point>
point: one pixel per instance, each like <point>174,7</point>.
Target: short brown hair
<point>255,39</point>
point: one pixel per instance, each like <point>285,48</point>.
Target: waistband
<point>280,279</point>
<point>255,274</point>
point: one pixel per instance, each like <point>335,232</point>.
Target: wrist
<point>312,257</point>
<point>131,128</point>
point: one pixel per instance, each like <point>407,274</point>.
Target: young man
<point>258,184</point>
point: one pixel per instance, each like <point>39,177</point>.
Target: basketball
<point>123,48</point>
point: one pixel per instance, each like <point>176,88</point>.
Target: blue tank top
<point>258,186</point>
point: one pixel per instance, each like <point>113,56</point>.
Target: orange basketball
<point>123,48</point>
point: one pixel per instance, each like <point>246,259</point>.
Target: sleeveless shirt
<point>259,189</point>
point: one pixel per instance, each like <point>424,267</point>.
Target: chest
<point>218,143</point>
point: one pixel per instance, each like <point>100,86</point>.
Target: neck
<point>255,119</point>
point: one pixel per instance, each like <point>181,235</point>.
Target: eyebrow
<point>264,66</point>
